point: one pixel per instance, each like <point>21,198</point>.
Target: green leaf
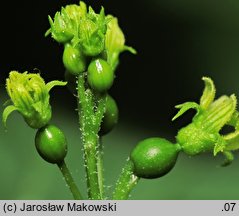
<point>208,93</point>
<point>185,107</point>
<point>7,111</point>
<point>53,83</point>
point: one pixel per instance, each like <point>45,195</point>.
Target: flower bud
<point>115,42</point>
<point>76,12</point>
<point>65,25</point>
<point>92,29</point>
<point>62,28</point>
<point>30,96</point>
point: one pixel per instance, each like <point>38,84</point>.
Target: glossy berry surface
<point>100,75</point>
<point>111,115</point>
<point>154,157</point>
<point>51,144</point>
<point>73,60</point>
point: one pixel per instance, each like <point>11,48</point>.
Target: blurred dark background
<point>178,42</point>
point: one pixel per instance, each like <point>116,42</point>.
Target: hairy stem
<point>89,121</point>
<point>91,153</point>
<point>70,181</point>
<point>100,167</point>
<point>126,182</point>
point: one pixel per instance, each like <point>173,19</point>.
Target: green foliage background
<point>24,175</point>
<point>178,42</point>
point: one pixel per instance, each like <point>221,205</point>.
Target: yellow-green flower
<point>203,133</point>
<point>115,42</point>
<point>29,96</point>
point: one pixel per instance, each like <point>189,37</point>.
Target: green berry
<point>51,144</point>
<point>154,157</point>
<point>100,75</point>
<point>110,118</point>
<point>73,60</point>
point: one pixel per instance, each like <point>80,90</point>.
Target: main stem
<point>69,180</point>
<point>100,167</point>
<point>89,137</point>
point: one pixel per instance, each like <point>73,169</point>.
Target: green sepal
<point>208,93</point>
<point>37,106</point>
<point>7,111</point>
<point>130,49</point>
<point>234,121</point>
<point>53,83</point>
<point>47,33</point>
<point>219,145</point>
<point>232,140</point>
<point>185,107</point>
<point>219,113</point>
<point>92,30</point>
<point>229,157</point>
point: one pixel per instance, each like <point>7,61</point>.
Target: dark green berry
<point>51,144</point>
<point>73,60</point>
<point>111,115</point>
<point>100,75</point>
<point>154,157</point>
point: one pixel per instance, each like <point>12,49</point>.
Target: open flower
<point>203,133</point>
<point>30,97</point>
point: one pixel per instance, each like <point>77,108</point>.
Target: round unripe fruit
<point>100,75</point>
<point>154,157</point>
<point>51,144</point>
<point>111,115</point>
<point>73,60</point>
